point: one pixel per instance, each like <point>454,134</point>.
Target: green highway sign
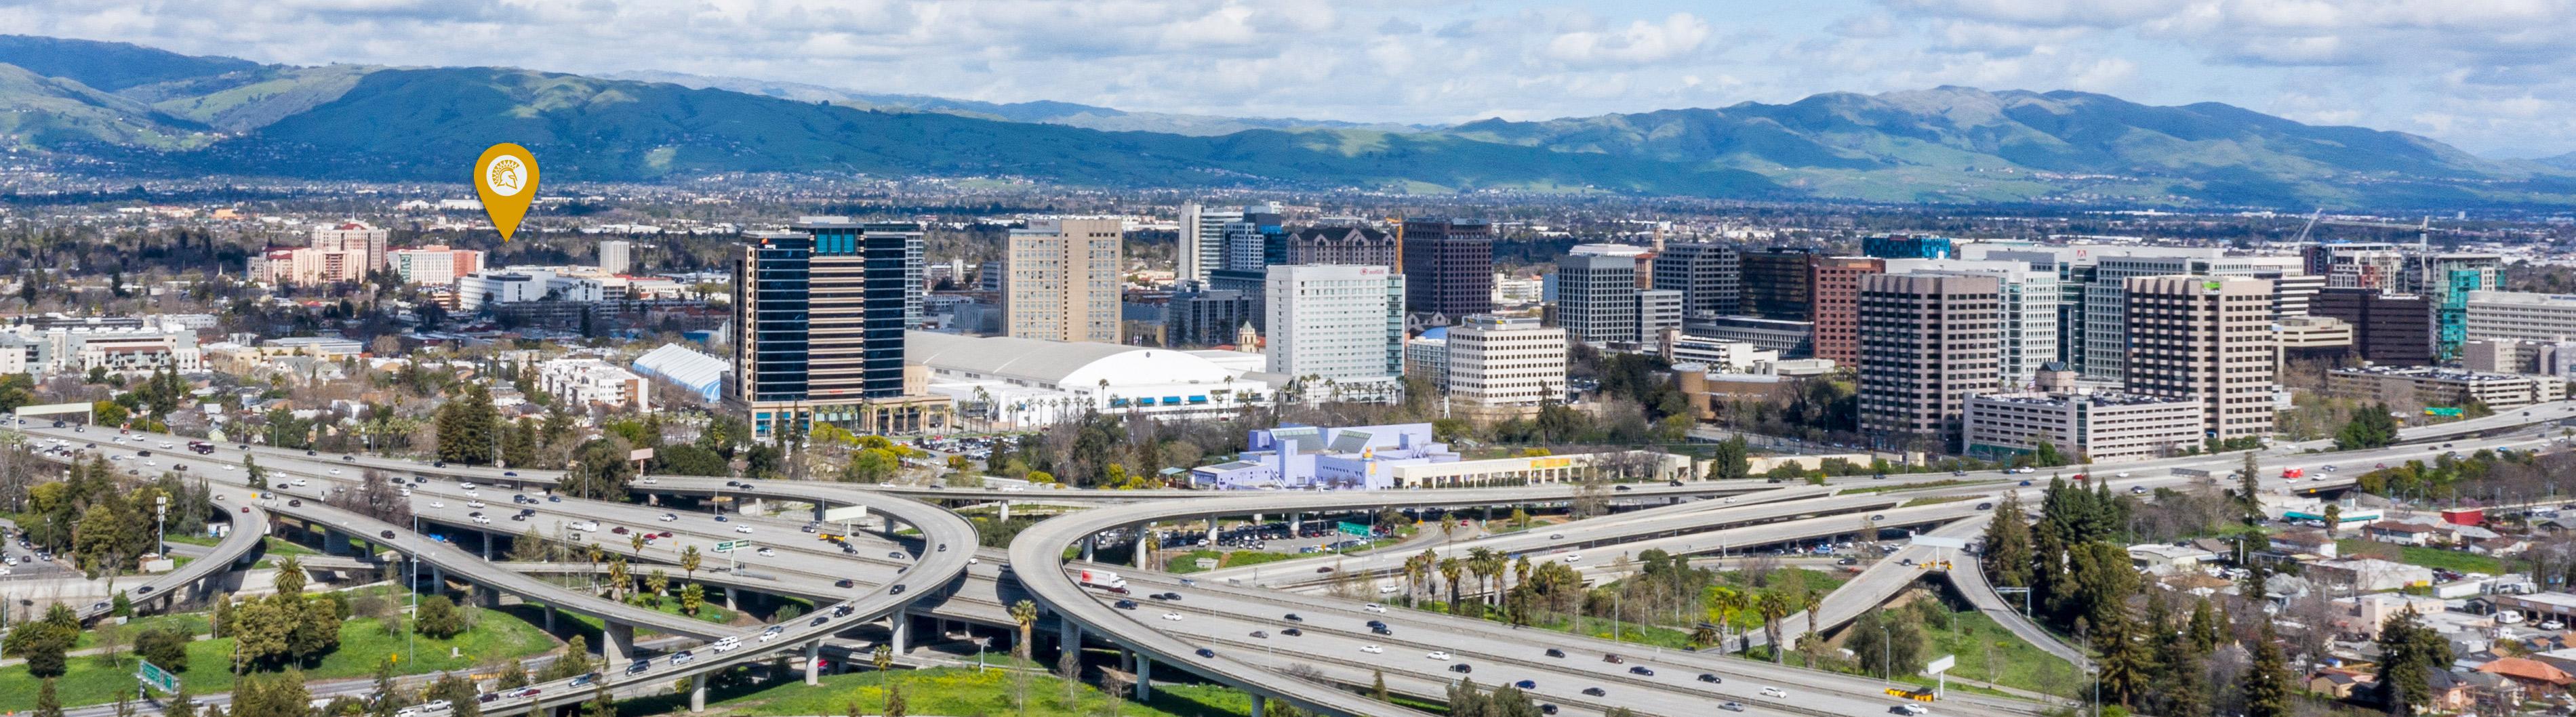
<point>155,677</point>
<point>727,546</point>
<point>1350,528</point>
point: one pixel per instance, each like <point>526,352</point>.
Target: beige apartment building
<point>1061,281</point>
<point>1926,342</point>
<point>2209,339</point>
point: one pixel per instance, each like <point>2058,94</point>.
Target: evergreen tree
<point>2128,664</point>
<point>2267,685</point>
<point>180,705</point>
<point>2408,651</point>
<point>2182,681</point>
<point>1377,685</point>
<point>2007,544</point>
<point>600,705</point>
<point>1732,460</point>
<point>2249,494</point>
<point>2204,627</point>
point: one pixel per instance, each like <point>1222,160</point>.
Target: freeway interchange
<point>934,570</point>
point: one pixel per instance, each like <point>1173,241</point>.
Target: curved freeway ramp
<point>250,525</point>
<point>460,564</point>
<point>1038,556</point>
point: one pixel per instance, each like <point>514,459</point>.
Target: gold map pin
<point>506,177</point>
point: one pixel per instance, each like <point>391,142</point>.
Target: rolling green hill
<point>172,115</point>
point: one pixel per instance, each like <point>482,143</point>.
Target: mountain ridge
<point>177,115</point>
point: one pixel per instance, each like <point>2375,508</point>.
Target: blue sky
<point>2496,77</point>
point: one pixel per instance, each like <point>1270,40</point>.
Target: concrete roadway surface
<point>805,631</point>
<point>1680,519</point>
<point>1041,546</point>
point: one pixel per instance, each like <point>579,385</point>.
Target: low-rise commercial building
<point>1501,472</point>
<point>1019,383</point>
<point>1306,457</point>
<point>2106,426</point>
<point>2429,387</point>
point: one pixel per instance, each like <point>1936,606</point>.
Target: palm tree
<point>1480,561</point>
<point>1449,569</point>
<point>1815,603</point>
<point>1727,603</point>
<point>1521,570</point>
<point>1774,606</point>
<point>1026,614</point>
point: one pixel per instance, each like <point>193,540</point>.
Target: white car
<point>335,471</point>
<point>2124,474</point>
<point>151,463</point>
<point>1730,499</point>
<point>231,467</point>
<point>650,479</point>
<point>1438,655</point>
<point>767,553</point>
<point>771,633</point>
<point>1573,557</point>
<point>483,519</point>
<point>743,529</point>
<point>299,483</point>
<point>1374,607</point>
<point>667,517</point>
<point>465,486</point>
<point>1372,649</point>
<point>1172,616</point>
<point>476,503</point>
<point>1775,692</point>
<point>2553,625</point>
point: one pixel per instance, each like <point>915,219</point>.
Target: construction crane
<point>2423,231</point>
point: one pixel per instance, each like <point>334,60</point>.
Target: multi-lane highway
<point>940,572</point>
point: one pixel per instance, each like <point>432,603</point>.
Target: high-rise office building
<point>1596,298</point>
<point>1705,273</point>
<point>1905,246</point>
<point>1202,241</point>
<point>2029,303</point>
<point>2387,329</point>
<point>1835,284</point>
<point>1927,342</point>
<point>916,284</point>
<point>818,322</point>
<point>1448,266</point>
<point>1500,361</point>
<point>2446,281</point>
<point>1776,284</point>
<point>1206,318</point>
<point>615,255</point>
<point>2106,338</point>
<point>2208,339</point>
<point>1257,239</point>
<point>1343,323</point>
<point>1061,281</point>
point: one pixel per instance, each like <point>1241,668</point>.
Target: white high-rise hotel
<point>1336,322</point>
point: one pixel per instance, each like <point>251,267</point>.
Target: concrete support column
<point>1089,543</point>
<point>1068,636</point>
<point>698,693</point>
<point>1006,510</point>
<point>550,617</point>
<point>1211,529</point>
<point>819,507</point>
<point>1257,704</point>
<point>333,543</point>
<point>1144,678</point>
<point>901,626</point>
<point>1296,522</point>
<point>438,577</point>
<point>616,643</point>
<point>487,546</point>
<point>814,662</point>
<point>1143,533</point>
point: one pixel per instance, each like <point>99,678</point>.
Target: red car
<point>620,530</point>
